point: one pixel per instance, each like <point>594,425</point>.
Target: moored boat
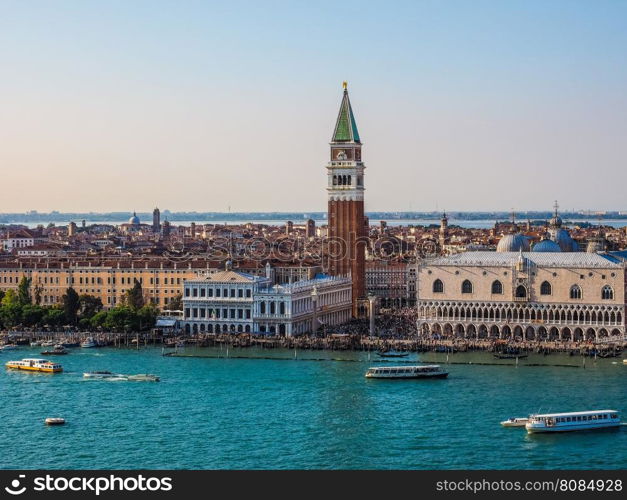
<point>573,421</point>
<point>35,365</point>
<point>8,347</point>
<point>515,422</point>
<point>424,371</point>
<point>510,356</point>
<point>88,343</point>
<point>392,354</point>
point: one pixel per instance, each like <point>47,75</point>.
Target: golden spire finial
<point>344,84</point>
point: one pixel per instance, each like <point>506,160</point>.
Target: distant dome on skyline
<point>134,220</point>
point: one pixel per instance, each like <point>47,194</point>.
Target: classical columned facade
<point>528,321</point>
<point>235,302</point>
<point>561,296</point>
<point>303,307</point>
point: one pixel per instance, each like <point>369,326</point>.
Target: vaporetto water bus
<point>423,371</point>
<point>35,365</point>
<point>574,421</point>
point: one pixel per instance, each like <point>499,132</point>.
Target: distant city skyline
<point>213,107</point>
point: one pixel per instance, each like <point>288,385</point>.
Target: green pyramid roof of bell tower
<point>345,127</point>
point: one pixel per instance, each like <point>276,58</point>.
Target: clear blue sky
<point>463,105</point>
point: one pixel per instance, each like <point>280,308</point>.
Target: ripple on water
<point>243,413</point>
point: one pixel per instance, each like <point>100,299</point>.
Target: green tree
<point>10,298</point>
<point>135,296</point>
<point>10,314</point>
<point>120,319</point>
<point>89,306</point>
<point>32,315</point>
<point>71,305</point>
<point>53,316</point>
<point>23,291</point>
<point>147,317</point>
<point>1,296</point>
<point>98,320</point>
<point>11,309</point>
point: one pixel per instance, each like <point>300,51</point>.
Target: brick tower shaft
<point>347,231</point>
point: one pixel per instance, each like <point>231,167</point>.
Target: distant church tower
<point>346,202</point>
<point>156,220</point>
<point>443,231</point>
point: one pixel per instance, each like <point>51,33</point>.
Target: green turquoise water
<point>286,413</point>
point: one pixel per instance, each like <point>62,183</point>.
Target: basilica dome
<point>563,239</point>
<point>513,243</point>
<point>546,246</point>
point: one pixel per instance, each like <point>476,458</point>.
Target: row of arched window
<point>550,314</point>
<point>607,293</point>
<point>342,180</point>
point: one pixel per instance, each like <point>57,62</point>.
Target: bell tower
<point>345,189</point>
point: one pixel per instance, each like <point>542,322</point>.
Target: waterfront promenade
<point>338,342</point>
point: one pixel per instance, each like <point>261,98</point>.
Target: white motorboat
<point>101,375</point>
<point>143,377</point>
<point>573,421</point>
<point>106,375</point>
<point>88,343</point>
<point>424,371</point>
<point>515,422</point>
<point>8,347</point>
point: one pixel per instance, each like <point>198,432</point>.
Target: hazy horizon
<point>216,107</point>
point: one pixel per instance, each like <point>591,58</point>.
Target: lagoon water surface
<point>240,413</point>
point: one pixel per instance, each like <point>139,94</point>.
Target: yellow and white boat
<point>35,365</point>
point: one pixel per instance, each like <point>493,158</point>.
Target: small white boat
<point>35,343</point>
<point>54,421</point>
<point>625,361</point>
<point>88,343</point>
<point>140,377</point>
<point>515,422</point>
<point>8,347</point>
<point>424,371</point>
<point>48,343</point>
<point>143,377</point>
<point>101,374</point>
<point>573,421</point>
